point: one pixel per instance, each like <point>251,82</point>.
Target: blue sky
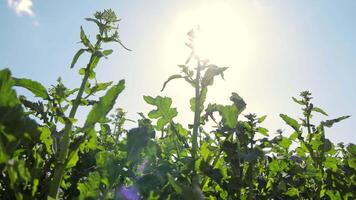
<point>296,45</point>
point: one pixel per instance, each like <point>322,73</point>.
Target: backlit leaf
<point>105,104</point>
<point>35,87</point>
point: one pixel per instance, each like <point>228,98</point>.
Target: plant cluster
<point>46,154</point>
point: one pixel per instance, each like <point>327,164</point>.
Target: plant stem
<point>65,141</point>
<point>196,123</point>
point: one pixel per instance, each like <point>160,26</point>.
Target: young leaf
<point>291,122</point>
<point>263,131</point>
<point>107,52</point>
<point>46,138</point>
<point>261,119</point>
<point>164,113</point>
<point>319,110</point>
<point>211,72</point>
<point>175,76</point>
<point>35,87</point>
<point>76,56</point>
<point>300,102</point>
<point>85,39</point>
<point>105,104</point>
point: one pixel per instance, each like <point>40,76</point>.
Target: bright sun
<point>222,37</point>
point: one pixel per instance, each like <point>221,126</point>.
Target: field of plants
<point>224,153</point>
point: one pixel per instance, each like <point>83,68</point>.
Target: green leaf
<point>175,184</point>
<point>8,97</point>
<point>210,73</point>
<point>35,87</point>
<point>102,86</point>
<point>274,166</point>
<point>352,149</point>
<point>85,39</point>
<point>202,100</point>
<point>330,123</point>
<point>107,52</point>
<point>204,150</point>
<point>105,104</point>
<point>263,131</point>
<point>82,71</point>
<point>89,189</point>
<point>175,76</point>
<point>334,195</point>
<point>164,113</point>
<point>239,103</point>
<point>34,186</point>
<point>291,122</point>
<point>352,162</point>
<point>46,138</point>
<point>285,143</point>
<point>300,102</point>
<point>262,119</point>
<point>76,56</point>
<point>294,136</point>
<point>292,192</point>
<point>230,114</point>
<point>319,110</point>
<point>331,163</point>
<point>72,159</point>
<point>137,140</point>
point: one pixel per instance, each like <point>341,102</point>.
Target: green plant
<point>46,154</point>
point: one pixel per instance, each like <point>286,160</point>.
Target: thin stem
<point>65,141</point>
<point>196,123</point>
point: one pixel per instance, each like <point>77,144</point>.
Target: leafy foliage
<point>46,154</point>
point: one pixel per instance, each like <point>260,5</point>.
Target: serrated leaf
<point>330,123</point>
<point>76,56</point>
<point>105,104</point>
<point>163,113</point>
<point>33,86</point>
<point>175,76</point>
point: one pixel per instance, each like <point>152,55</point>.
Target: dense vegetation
<point>46,154</point>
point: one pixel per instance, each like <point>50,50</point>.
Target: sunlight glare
<point>222,37</point>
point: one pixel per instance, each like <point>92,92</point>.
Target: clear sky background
<point>277,49</point>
